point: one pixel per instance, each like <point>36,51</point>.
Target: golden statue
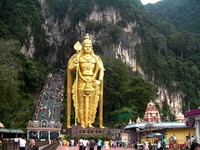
<point>87,88</point>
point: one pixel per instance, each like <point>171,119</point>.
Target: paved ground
<point>40,148</point>
<point>76,148</point>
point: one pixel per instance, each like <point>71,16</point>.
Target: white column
<point>198,131</point>
<point>38,135</point>
<point>58,133</point>
<point>28,135</point>
<point>49,133</point>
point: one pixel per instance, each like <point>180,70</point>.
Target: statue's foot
<point>83,126</point>
<point>69,126</point>
<point>90,126</point>
<point>102,127</point>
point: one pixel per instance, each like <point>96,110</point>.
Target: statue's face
<point>87,48</point>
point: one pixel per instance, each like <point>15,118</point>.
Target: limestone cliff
<point>62,33</point>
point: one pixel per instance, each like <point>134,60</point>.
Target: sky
<point>148,1</point>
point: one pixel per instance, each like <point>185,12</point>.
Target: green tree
<point>16,103</point>
<point>124,95</point>
<point>119,118</point>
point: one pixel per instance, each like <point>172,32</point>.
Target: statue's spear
<point>77,47</point>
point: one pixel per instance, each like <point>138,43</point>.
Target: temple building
<point>180,118</point>
<point>152,128</point>
<point>193,119</point>
<point>151,113</point>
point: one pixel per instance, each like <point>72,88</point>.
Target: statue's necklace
<point>87,58</point>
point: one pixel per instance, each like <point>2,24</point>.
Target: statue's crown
<point>87,39</point>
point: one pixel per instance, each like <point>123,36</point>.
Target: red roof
<point>192,112</point>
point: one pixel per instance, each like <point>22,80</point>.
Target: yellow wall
<point>180,134</point>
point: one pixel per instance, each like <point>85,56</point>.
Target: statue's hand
<point>96,83</point>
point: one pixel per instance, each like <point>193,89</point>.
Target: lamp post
<point>138,140</point>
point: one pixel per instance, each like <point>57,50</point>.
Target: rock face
<point>30,50</point>
<point>56,36</point>
<point>62,34</point>
<point>61,41</point>
<point>174,100</point>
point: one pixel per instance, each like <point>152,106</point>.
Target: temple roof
<point>3,130</point>
<point>151,113</point>
<point>180,117</point>
<point>168,125</point>
<point>192,112</point>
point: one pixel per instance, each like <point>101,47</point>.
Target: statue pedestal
<point>78,131</point>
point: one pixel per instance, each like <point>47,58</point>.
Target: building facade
<point>152,126</point>
<point>193,120</point>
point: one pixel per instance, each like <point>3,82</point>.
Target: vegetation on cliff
<point>19,77</point>
<point>169,55</point>
<point>175,52</point>
<point>184,14</point>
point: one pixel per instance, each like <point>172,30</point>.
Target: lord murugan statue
<point>86,90</point>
